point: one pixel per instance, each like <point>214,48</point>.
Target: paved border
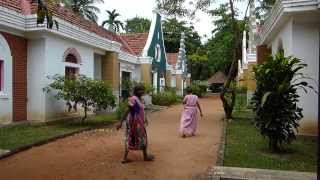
<point>220,155</point>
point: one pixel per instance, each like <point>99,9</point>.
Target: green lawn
<point>25,134</point>
<point>246,148</point>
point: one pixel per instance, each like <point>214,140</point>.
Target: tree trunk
<point>228,108</point>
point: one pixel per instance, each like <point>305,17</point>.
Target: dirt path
<point>96,155</point>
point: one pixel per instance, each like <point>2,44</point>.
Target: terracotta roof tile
<point>172,59</point>
<point>135,42</point>
<point>67,15</point>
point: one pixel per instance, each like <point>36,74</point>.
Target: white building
<point>294,27</point>
<point>29,53</point>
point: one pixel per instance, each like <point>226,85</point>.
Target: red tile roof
<point>135,42</point>
<point>172,59</point>
<point>67,15</point>
<point>131,43</point>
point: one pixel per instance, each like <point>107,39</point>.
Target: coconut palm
<point>85,8</point>
<point>113,23</point>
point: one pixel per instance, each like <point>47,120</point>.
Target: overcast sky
<point>143,8</point>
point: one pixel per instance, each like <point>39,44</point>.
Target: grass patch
<point>245,147</point>
<point>25,134</point>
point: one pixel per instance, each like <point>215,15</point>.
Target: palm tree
<point>113,23</point>
<point>84,8</point>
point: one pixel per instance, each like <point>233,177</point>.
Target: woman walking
<point>189,118</point>
<point>136,134</point>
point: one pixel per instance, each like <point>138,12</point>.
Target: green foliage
<point>178,7</point>
<point>165,98</point>
<point>112,22</point>
<point>85,8</point>
<point>275,100</point>
<point>126,87</point>
<point>138,25</point>
<point>121,109</point>
<point>81,90</point>
<point>263,8</point>
<point>172,29</point>
<point>221,45</point>
<point>198,63</point>
<point>44,14</point>
<point>199,88</point>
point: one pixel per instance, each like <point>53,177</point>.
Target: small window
<point>1,75</point>
<point>71,59</point>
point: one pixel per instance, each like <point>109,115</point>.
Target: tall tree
<point>113,23</point>
<point>172,29</point>
<point>165,5</point>
<point>84,8</point>
<point>138,25</point>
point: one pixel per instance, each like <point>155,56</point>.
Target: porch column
<point>251,83</point>
<point>146,67</point>
<point>262,53</point>
<point>179,83</point>
<point>168,78</point>
<point>111,71</point>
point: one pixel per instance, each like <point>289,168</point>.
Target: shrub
<point>81,90</point>
<point>275,99</point>
<point>121,109</point>
<point>165,98</point>
<point>199,88</point>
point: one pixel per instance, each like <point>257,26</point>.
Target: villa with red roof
<point>30,52</point>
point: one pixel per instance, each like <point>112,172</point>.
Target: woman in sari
<point>189,118</point>
<point>135,132</point>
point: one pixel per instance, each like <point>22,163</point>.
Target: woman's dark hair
<point>189,90</point>
<point>137,89</point>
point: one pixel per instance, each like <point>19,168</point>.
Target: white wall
<point>306,47</point>
<point>284,35</point>
<point>45,58</point>
<point>36,79</point>
<point>6,93</point>
<point>300,38</point>
<point>55,49</point>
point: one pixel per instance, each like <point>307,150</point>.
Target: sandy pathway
<point>96,155</point>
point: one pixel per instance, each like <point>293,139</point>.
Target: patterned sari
<point>136,134</point>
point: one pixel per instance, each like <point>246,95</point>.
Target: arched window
<point>72,57</point>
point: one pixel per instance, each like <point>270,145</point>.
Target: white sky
<point>143,8</point>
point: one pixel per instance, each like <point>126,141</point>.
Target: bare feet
<point>124,161</point>
<point>149,158</point>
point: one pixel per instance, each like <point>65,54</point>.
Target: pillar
<point>251,82</point>
<point>179,84</point>
<point>262,53</point>
<point>168,78</point>
<point>111,71</point>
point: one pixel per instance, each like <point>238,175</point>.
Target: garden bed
<point>245,147</point>
<point>23,136</point>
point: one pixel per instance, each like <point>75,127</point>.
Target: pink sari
<point>188,122</point>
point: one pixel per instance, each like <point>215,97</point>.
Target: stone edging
<point>220,154</point>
